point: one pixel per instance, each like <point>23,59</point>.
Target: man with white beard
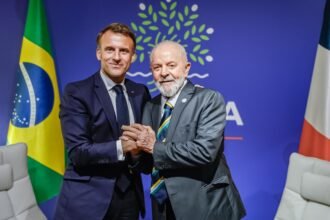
<point>183,129</point>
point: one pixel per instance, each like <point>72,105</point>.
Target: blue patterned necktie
<point>158,189</point>
<point>124,179</point>
<point>121,106</point>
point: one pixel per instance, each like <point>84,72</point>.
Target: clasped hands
<point>137,138</point>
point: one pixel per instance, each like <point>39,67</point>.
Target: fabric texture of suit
<point>90,131</point>
<point>197,178</point>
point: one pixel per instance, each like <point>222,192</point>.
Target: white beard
<point>172,90</point>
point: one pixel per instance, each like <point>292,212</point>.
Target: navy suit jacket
<point>90,132</point>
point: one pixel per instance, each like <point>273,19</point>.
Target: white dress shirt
<point>109,84</point>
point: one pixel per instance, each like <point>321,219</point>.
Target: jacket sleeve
<point>77,126</point>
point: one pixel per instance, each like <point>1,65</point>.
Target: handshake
<point>137,138</point>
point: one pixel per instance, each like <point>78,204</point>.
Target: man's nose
<point>164,72</point>
<point>116,55</point>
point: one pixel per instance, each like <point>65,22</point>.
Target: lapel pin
<point>184,100</point>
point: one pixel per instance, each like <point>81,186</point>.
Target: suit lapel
<point>105,101</point>
<point>156,113</point>
<point>183,99</point>
<point>133,100</point>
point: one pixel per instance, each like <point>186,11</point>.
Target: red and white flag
<point>315,138</point>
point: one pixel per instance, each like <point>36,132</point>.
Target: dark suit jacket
<point>197,178</point>
<point>90,131</point>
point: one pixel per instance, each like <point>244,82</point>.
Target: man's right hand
<point>129,145</point>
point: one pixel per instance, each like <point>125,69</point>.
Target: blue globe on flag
<point>34,96</point>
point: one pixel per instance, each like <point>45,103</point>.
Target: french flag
<point>315,138</point>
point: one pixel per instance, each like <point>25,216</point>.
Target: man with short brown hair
<point>102,180</point>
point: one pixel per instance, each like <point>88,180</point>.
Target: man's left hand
<point>143,135</point>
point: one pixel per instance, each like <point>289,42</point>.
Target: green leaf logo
<point>166,20</point>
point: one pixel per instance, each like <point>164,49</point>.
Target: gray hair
<point>179,46</point>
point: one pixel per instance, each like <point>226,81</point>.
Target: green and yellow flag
<point>35,118</point>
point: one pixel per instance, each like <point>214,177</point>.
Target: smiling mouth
<point>115,65</point>
<point>167,81</point>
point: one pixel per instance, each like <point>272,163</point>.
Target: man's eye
<point>124,51</point>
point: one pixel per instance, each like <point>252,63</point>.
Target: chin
<point>168,91</point>
<point>172,89</point>
<point>117,73</point>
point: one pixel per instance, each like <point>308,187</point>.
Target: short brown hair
<point>116,28</point>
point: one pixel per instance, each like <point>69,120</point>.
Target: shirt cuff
<point>120,154</point>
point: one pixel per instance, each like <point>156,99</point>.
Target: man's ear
<point>98,54</point>
<point>134,57</point>
<point>187,68</point>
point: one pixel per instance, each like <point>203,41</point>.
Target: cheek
<point>178,73</point>
<point>104,56</point>
<point>156,76</point>
<point>183,72</point>
<point>128,60</point>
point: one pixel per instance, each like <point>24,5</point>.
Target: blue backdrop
<point>259,54</point>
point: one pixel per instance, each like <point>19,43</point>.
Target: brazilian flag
<point>35,117</point>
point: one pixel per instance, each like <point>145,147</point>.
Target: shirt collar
<point>109,84</point>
